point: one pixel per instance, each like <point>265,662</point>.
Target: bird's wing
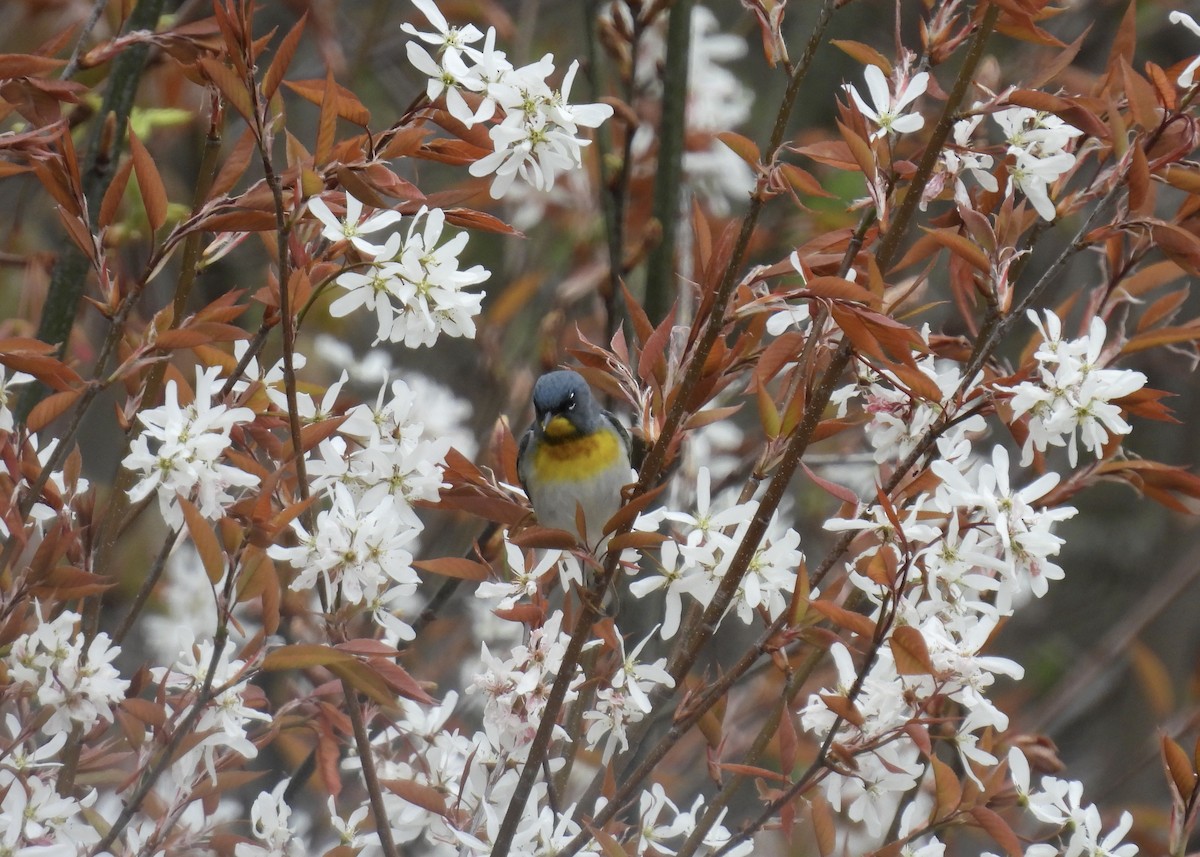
<point>621,430</point>
<point>522,449</point>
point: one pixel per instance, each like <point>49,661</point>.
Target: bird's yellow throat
<point>573,459</point>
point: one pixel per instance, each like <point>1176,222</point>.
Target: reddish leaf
<point>205,539</point>
<point>27,65</point>
<point>865,54</point>
<point>999,829</point>
<point>838,288</point>
<point>1179,245</point>
<point>232,87</point>
<point>1181,777</point>
<point>327,121</point>
<point>345,102</point>
<point>910,652</point>
<point>839,491</point>
<point>302,656</point>
<point>947,789</point>
<point>114,194</point>
<point>843,618</point>
<point>743,147</point>
<point>150,184</point>
<point>283,57</point>
<point>426,797</point>
<point>51,408</point>
<point>456,567</point>
<point>842,707</point>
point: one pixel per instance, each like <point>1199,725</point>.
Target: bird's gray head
<point>565,406</point>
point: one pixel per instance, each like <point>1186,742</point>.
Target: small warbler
<point>574,458</point>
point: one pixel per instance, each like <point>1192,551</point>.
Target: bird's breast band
<point>576,459</point>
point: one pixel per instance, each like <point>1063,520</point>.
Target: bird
<point>574,458</point>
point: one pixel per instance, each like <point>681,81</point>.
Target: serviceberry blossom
<point>188,443</point>
<point>624,700</point>
<point>76,685</point>
<point>356,550</point>
<point>961,159</point>
<point>1060,803</point>
<point>1072,396</point>
<point>515,688</point>
<point>709,538</point>
<point>1188,76</point>
<point>885,108</point>
<point>36,821</point>
<point>1016,528</point>
<point>1037,144</point>
<point>271,824</point>
<point>226,716</point>
<point>537,137</point>
<point>523,580</point>
<point>413,286</point>
<point>7,383</point>
<point>352,227</point>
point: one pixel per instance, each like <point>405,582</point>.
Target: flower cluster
<point>1060,803</point>
<point>75,685</point>
<point>226,714</point>
<point>1037,143</point>
<point>372,472</point>
<point>952,583</point>
<point>412,285</point>
<point>1073,394</point>
<point>624,700</point>
<point>537,138</point>
<point>900,417</point>
<point>272,825</point>
<point>696,565</point>
<point>36,820</point>
<point>189,442</point>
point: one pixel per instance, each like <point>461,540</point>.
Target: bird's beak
<point>548,418</point>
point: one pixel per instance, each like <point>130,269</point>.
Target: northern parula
<point>575,456</point>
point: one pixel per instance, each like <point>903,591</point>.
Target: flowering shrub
<point>270,590</point>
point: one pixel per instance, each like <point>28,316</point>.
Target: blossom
<point>7,383</point>
<point>76,685</point>
<point>350,228</point>
<point>885,108</point>
<point>1072,394</point>
<point>225,717</point>
<point>359,548</point>
<point>537,137</point>
<point>1037,144</point>
<point>189,441</point>
<point>1188,75</point>
<point>270,821</point>
<point>414,286</point>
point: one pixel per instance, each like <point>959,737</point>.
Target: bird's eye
<point>571,403</point>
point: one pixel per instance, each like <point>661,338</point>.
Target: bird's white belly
<point>555,502</point>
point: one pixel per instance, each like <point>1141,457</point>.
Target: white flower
<point>1037,143</point>
<point>74,685</point>
<point>189,441</point>
<point>1033,175</point>
<point>1188,76</point>
<point>885,109</point>
<point>1072,393</point>
<point>16,379</point>
<point>537,137</point>
<point>270,821</point>
<point>349,228</point>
